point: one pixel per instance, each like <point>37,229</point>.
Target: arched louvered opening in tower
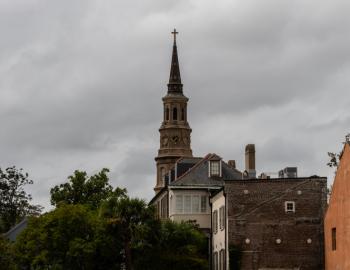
<point>182,114</point>
<point>175,113</point>
<point>167,114</point>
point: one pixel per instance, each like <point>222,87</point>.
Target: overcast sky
<point>81,84</point>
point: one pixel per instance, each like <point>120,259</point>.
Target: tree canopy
<point>96,227</point>
<point>69,237</point>
<point>335,157</point>
<point>6,254</point>
<point>15,202</point>
<point>176,246</point>
<point>82,189</point>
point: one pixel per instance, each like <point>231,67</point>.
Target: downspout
<point>211,233</point>
<point>168,202</point>
<point>227,257</point>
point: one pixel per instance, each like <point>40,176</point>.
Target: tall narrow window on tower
<point>182,114</point>
<point>175,113</point>
<point>167,114</point>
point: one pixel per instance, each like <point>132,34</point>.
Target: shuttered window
<point>215,221</point>
<point>222,217</point>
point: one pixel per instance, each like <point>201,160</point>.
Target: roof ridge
<point>25,219</point>
<point>234,169</point>
<point>215,155</point>
<point>179,159</point>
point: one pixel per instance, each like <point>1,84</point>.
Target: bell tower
<point>175,132</point>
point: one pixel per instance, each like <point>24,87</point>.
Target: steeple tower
<point>175,132</point>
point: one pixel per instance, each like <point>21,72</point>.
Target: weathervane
<point>174,33</point>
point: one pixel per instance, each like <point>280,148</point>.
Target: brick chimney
<point>232,164</point>
<point>250,160</point>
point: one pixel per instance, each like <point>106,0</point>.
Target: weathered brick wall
<point>256,211</point>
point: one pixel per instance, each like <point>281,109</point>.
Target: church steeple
<point>175,85</point>
<point>175,132</point>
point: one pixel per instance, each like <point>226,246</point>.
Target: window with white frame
<point>195,203</point>
<point>222,217</point>
<point>187,204</point>
<point>179,204</point>
<point>214,168</point>
<point>289,207</point>
<point>191,204</point>
<point>164,207</point>
<point>215,221</point>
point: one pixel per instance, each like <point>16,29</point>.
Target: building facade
<point>219,240</point>
<point>337,220</point>
<point>277,223</point>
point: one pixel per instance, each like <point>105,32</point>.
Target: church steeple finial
<point>175,85</point>
<point>174,33</point>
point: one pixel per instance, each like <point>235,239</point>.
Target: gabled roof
<point>15,230</point>
<point>198,175</point>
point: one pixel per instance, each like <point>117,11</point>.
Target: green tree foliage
<point>177,246</point>
<point>6,254</point>
<point>14,200</point>
<point>82,189</point>
<point>335,157</point>
<point>69,237</point>
<point>94,227</point>
<point>135,219</point>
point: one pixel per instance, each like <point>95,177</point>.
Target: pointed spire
<point>175,85</point>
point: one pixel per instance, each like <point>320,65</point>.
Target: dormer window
<point>214,168</point>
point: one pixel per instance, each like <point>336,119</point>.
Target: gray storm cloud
<point>82,81</point>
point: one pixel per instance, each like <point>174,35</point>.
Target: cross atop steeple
<point>174,33</point>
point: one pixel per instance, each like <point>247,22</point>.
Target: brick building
<point>273,223</point>
<point>337,220</point>
<point>277,223</point>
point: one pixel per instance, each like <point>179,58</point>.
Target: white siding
<point>219,236</point>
